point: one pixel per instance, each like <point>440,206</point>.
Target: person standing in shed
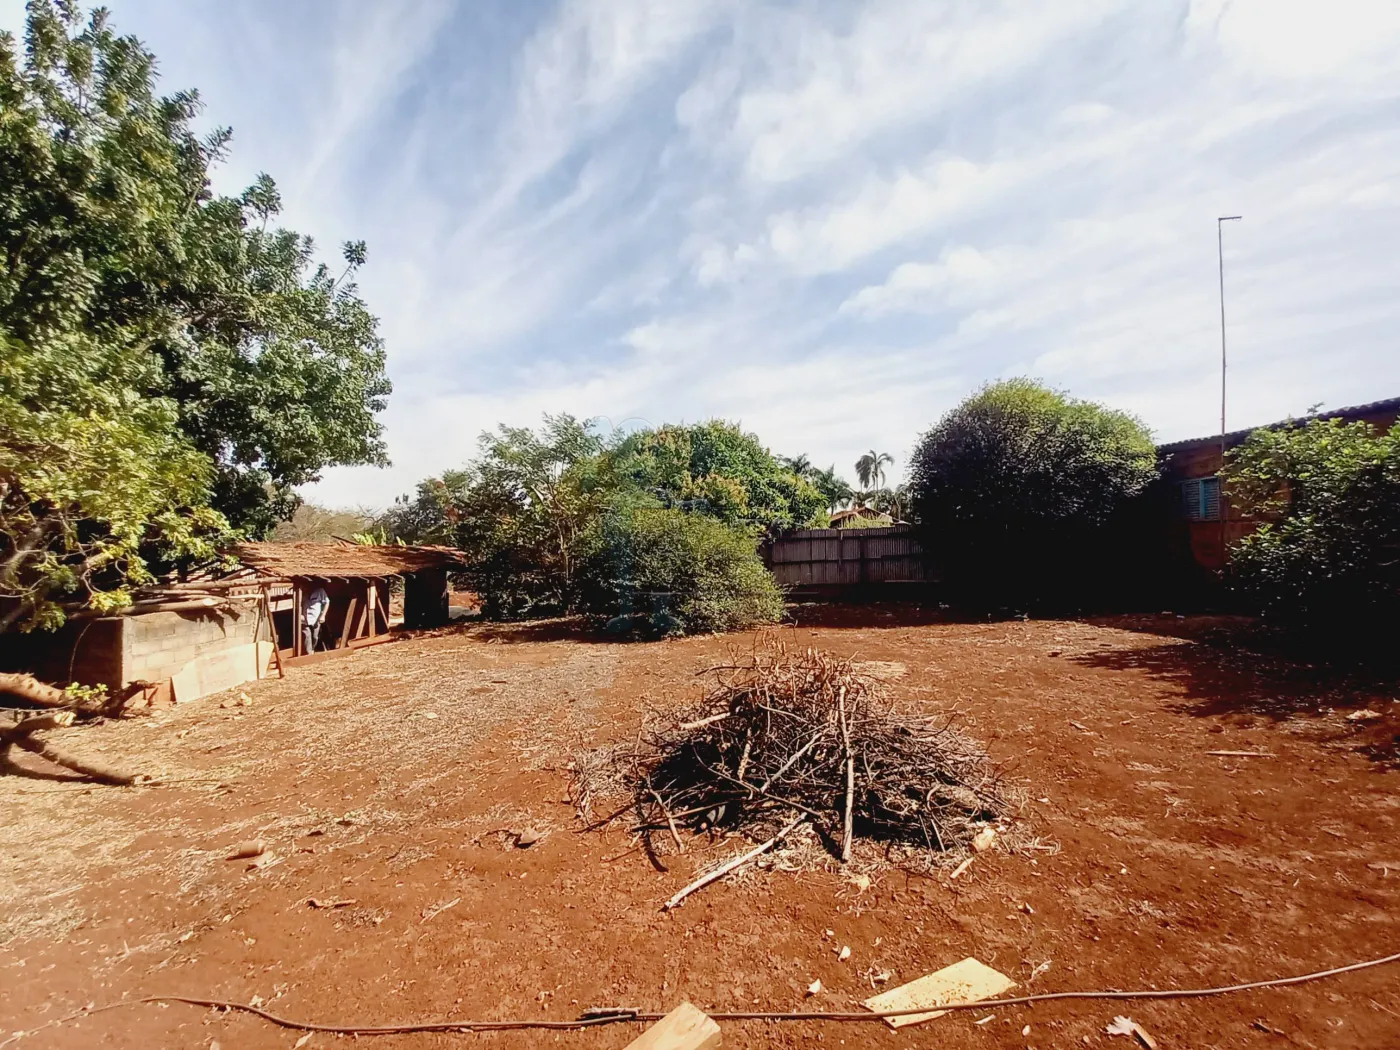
<point>313,615</point>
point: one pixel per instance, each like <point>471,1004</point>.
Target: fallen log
<point>27,687</point>
<point>22,736</point>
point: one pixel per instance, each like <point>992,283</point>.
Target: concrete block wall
<point>156,646</point>
<point>89,651</point>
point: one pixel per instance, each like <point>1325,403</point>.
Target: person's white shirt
<point>314,611</point>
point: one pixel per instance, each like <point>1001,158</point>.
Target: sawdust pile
<point>783,736</point>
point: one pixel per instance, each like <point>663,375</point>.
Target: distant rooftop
<point>345,560</point>
<point>1235,437</point>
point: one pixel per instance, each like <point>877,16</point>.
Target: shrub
<point>672,572</point>
<point>1015,488</point>
<point>1327,558</point>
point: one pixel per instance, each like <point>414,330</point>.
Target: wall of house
<point>89,651</point>
<point>160,645</point>
<point>1204,544</point>
<point>196,651</point>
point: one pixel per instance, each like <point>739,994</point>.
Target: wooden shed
<point>356,579</point>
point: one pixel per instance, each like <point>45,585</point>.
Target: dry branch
<point>22,736</point>
<point>807,733</point>
<point>737,862</point>
<point>27,687</point>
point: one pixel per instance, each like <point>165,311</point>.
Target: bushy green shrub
<point>1013,491</point>
<point>667,571</point>
<point>1327,557</point>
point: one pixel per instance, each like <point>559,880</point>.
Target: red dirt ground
<point>384,777</point>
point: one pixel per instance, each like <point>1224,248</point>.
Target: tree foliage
<point>834,489</point>
<point>142,315</point>
<point>718,468</point>
<point>535,505</point>
<point>313,523</point>
<point>1326,558</point>
<point>1012,487</point>
<point>670,572</point>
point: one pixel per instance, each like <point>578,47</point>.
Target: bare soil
<point>397,778</point>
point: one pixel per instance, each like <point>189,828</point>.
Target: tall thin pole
<point>1220,252</point>
<point>1220,490</point>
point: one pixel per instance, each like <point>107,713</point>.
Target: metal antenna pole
<point>1220,489</point>
<point>1220,251</point>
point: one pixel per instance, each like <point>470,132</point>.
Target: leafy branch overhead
<point>174,362</point>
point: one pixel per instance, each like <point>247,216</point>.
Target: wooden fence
<point>842,558</point>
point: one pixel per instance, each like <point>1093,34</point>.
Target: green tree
<point>94,480</point>
<point>518,512</point>
<point>870,469</point>
<point>672,572</point>
<point>1326,559</point>
<point>1014,489</point>
<point>835,489</point>
<point>112,234</point>
<point>718,469</point>
<point>799,465</point>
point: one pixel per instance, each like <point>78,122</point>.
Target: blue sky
<point>829,221</point>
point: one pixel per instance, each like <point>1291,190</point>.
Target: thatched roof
<point>345,560</point>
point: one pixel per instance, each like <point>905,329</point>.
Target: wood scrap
<point>1241,754</point>
<point>737,862</point>
<point>1127,1026</point>
<point>967,981</point>
<point>684,1028</point>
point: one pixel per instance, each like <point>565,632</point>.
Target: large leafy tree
<point>148,319</point>
<point>1014,489</point>
<point>518,511</point>
<point>1326,558</point>
<point>717,468</point>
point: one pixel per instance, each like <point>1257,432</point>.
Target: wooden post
<point>272,630</point>
<point>345,633</point>
<point>296,619</point>
<point>372,604</point>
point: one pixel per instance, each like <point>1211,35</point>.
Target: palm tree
<point>799,465</point>
<point>870,469</point>
<point>832,486</point>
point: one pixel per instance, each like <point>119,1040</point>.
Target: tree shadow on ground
<point>1225,668</point>
<point>868,615</point>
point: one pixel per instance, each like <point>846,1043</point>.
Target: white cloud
<point>828,221</point>
<point>830,90</point>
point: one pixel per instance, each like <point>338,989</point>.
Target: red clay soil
<point>393,779</point>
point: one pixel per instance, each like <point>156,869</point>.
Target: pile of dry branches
<point>784,738</point>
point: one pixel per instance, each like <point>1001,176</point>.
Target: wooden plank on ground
<point>965,981</point>
<point>684,1028</point>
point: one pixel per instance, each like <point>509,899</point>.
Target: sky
<point>828,221</point>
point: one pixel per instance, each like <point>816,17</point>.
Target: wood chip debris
<point>965,981</point>
<point>1241,754</point>
<point>1127,1026</point>
<point>331,902</point>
